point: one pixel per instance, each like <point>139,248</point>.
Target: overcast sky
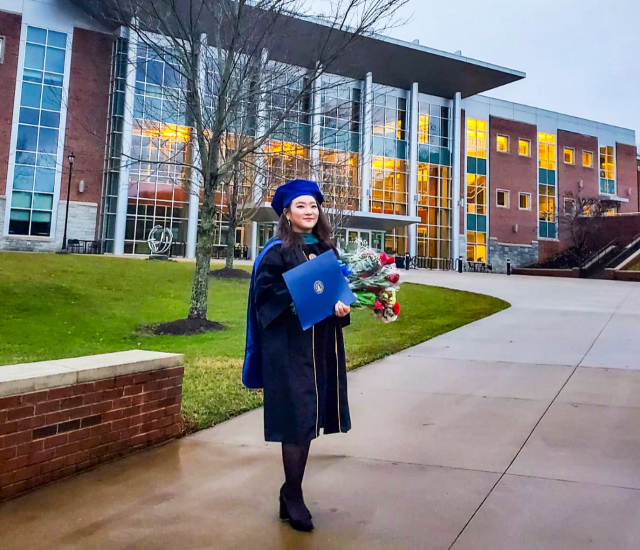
<point>582,57</point>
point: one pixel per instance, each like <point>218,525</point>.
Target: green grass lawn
<point>54,306</point>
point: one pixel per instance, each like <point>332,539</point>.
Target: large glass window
<point>339,146</point>
<point>547,186</point>
<point>287,153</point>
<point>35,162</point>
<point>389,165</point>
<point>159,181</point>
<point>158,186</point>
<point>607,171</point>
<point>160,94</point>
<point>434,183</point>
<point>476,188</point>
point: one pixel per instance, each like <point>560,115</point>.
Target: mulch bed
<point>187,327</point>
<point>230,273</point>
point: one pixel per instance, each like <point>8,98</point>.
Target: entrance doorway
<point>374,239</point>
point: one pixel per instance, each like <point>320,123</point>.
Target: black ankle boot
<point>298,521</point>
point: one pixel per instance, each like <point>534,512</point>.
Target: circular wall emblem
<point>318,287</point>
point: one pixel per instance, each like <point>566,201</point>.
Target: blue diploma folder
<point>316,287</point>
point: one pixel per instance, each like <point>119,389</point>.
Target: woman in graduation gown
<point>304,372</point>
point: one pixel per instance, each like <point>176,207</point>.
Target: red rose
<point>396,308</point>
<point>378,305</point>
<point>394,278</point>
<point>383,258</point>
<point>390,260</point>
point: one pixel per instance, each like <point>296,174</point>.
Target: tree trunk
<point>233,218</point>
<point>200,289</point>
<point>231,242</point>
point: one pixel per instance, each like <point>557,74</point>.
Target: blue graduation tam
<point>292,190</point>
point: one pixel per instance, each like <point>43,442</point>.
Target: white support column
<point>260,179</point>
<point>125,155</point>
<point>316,123</point>
<point>456,203</point>
<point>261,128</point>
<point>254,241</point>
<point>366,142</point>
<point>196,177</point>
<point>413,167</point>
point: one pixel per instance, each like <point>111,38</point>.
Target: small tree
<point>234,97</point>
<point>580,217</point>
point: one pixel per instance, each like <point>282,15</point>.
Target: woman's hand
<point>342,310</point>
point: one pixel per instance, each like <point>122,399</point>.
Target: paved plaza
<point>517,432</point>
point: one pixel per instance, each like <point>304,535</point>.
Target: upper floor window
<point>524,201</point>
<point>569,155</point>
<point>477,138</point>
<point>502,198</point>
<point>607,170</point>
<point>503,144</point>
<point>524,147</point>
<point>587,159</point>
<point>2,43</point>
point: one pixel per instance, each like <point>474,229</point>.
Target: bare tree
<point>580,217</point>
<point>240,74</point>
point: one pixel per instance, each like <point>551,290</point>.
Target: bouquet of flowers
<point>373,278</point>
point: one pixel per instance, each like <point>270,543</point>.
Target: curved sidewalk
<point>520,431</point>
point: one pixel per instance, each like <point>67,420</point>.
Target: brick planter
<point>62,417</point>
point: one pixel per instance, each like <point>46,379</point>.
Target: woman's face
<point>303,214</point>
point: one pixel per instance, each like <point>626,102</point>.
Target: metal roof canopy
<point>394,63</point>
<point>359,220</point>
<point>299,42</point>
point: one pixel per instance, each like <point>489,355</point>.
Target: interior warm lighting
<point>167,131</point>
<point>476,138</point>
<point>524,148</point>
<point>423,129</point>
<point>569,155</point>
<point>503,144</point>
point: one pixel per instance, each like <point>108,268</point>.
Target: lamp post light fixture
<point>71,158</point>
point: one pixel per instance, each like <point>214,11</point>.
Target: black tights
<point>294,459</point>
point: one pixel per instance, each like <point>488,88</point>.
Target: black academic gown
<point>304,372</point>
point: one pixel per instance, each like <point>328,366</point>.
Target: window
<point>547,228</point>
<point>502,198</point>
<point>35,166</point>
<point>524,201</point>
<point>569,205</point>
<point>607,171</point>
<point>477,190</point>
<point>503,144</point>
<point>389,175</point>
<point>524,147</point>
<point>2,43</point>
<point>587,159</point>
<point>569,155</point>
<point>339,146</point>
<point>434,183</point>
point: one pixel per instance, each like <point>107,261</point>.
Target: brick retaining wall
<point>54,433</point>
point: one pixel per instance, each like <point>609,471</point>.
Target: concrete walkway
<point>518,432</point>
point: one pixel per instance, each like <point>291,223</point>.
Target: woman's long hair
<point>291,239</point>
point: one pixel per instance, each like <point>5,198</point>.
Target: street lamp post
<point>71,158</point>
